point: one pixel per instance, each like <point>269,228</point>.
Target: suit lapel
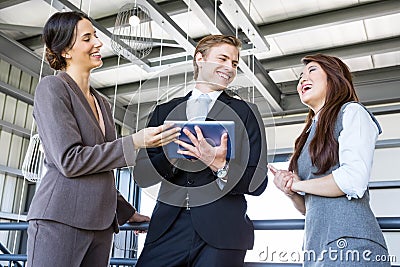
<point>78,92</point>
<point>222,102</point>
<point>178,111</point>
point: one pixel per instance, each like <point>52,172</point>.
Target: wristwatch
<point>223,172</point>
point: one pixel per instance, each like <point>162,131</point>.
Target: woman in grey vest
<point>330,169</point>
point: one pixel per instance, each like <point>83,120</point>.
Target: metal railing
<point>387,224</point>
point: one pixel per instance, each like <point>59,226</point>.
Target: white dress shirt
<point>213,95</point>
<point>356,151</point>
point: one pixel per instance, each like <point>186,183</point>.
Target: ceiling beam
<point>283,154</point>
<point>10,3</point>
<point>366,48</point>
<point>12,171</point>
<point>279,120</point>
<point>348,14</point>
<point>20,28</point>
<point>16,93</point>
<point>14,129</point>
<point>22,58</point>
<point>168,25</point>
<point>205,10</point>
<point>334,17</point>
<point>33,42</point>
<point>292,103</point>
<point>244,22</point>
<point>171,7</point>
<point>365,82</point>
<point>259,76</point>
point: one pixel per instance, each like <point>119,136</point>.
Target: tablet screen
<point>212,132</point>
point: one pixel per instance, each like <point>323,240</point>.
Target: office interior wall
<point>13,145</point>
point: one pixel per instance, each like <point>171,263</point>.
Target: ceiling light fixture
<point>132,34</point>
<point>134,21</point>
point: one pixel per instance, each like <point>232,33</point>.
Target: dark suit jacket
<point>221,221</point>
<point>78,188</point>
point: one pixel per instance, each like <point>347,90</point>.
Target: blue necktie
<point>200,108</point>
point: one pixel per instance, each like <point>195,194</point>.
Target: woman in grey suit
<point>77,208</point>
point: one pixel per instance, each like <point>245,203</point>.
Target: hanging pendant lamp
<point>132,34</point>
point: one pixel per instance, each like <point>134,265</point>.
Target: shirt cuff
<point>221,183</point>
<point>346,187</point>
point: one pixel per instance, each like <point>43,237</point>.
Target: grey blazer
<point>78,188</point>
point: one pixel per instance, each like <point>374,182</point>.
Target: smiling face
<point>218,68</point>
<point>313,85</point>
<point>85,52</point>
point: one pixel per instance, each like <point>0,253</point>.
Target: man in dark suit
<point>200,217</point>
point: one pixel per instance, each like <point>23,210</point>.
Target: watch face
<point>222,173</point>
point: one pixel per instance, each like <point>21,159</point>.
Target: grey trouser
<point>55,244</point>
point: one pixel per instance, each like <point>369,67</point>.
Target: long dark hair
<point>58,35</point>
<point>324,147</point>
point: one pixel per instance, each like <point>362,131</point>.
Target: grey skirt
<point>348,252</point>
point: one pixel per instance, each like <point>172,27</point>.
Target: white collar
<point>316,117</point>
<point>213,95</point>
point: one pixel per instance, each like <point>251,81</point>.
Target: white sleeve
<point>356,151</point>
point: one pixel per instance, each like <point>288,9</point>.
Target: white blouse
<point>356,151</point>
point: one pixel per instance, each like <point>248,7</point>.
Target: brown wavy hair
<point>324,148</point>
<point>59,35</point>
<point>204,45</point>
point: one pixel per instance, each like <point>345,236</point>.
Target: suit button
<point>190,182</point>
